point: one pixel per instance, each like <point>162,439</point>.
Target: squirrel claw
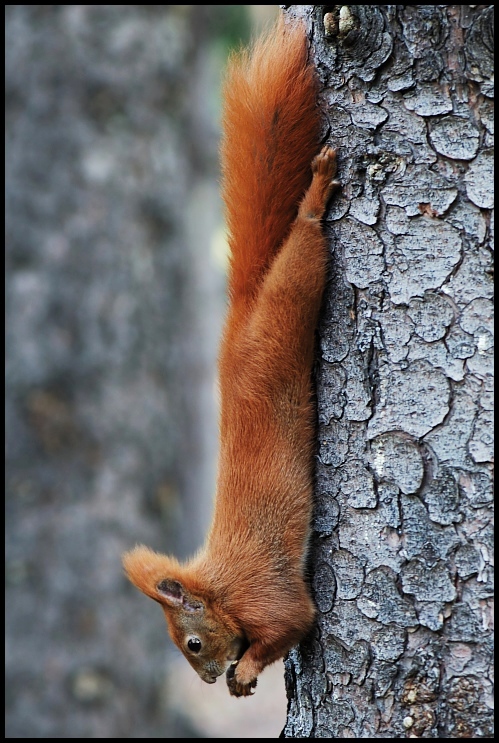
<point>236,688</point>
<point>231,671</point>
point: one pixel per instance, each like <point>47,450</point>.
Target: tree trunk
<point>401,554</point>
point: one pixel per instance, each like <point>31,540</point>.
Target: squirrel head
<point>195,622</point>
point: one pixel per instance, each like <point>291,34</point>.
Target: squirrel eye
<point>194,644</point>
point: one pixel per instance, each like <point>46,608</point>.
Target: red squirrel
<point>243,601</point>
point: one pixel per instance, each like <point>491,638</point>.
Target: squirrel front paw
<point>239,686</point>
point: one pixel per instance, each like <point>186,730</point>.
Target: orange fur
<point>242,602</point>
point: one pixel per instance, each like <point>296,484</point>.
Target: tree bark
<point>401,551</point>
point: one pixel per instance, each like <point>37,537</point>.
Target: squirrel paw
<point>239,687</point>
<point>324,167</point>
<point>325,163</point>
<point>323,184</point>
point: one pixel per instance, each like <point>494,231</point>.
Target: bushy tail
<point>271,129</point>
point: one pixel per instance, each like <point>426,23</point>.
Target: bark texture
<point>402,550</point>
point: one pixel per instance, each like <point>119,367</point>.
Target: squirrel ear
<point>146,570</point>
<point>173,592</point>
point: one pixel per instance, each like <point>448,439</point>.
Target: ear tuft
<point>146,569</point>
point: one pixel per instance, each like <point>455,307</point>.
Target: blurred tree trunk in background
<point>110,143</point>
<point>402,564</point>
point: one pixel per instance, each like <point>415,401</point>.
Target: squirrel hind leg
<point>323,184</point>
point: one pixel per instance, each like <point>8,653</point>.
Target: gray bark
<point>401,558</point>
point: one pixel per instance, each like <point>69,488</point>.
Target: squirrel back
<point>243,601</point>
<point>271,128</point>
